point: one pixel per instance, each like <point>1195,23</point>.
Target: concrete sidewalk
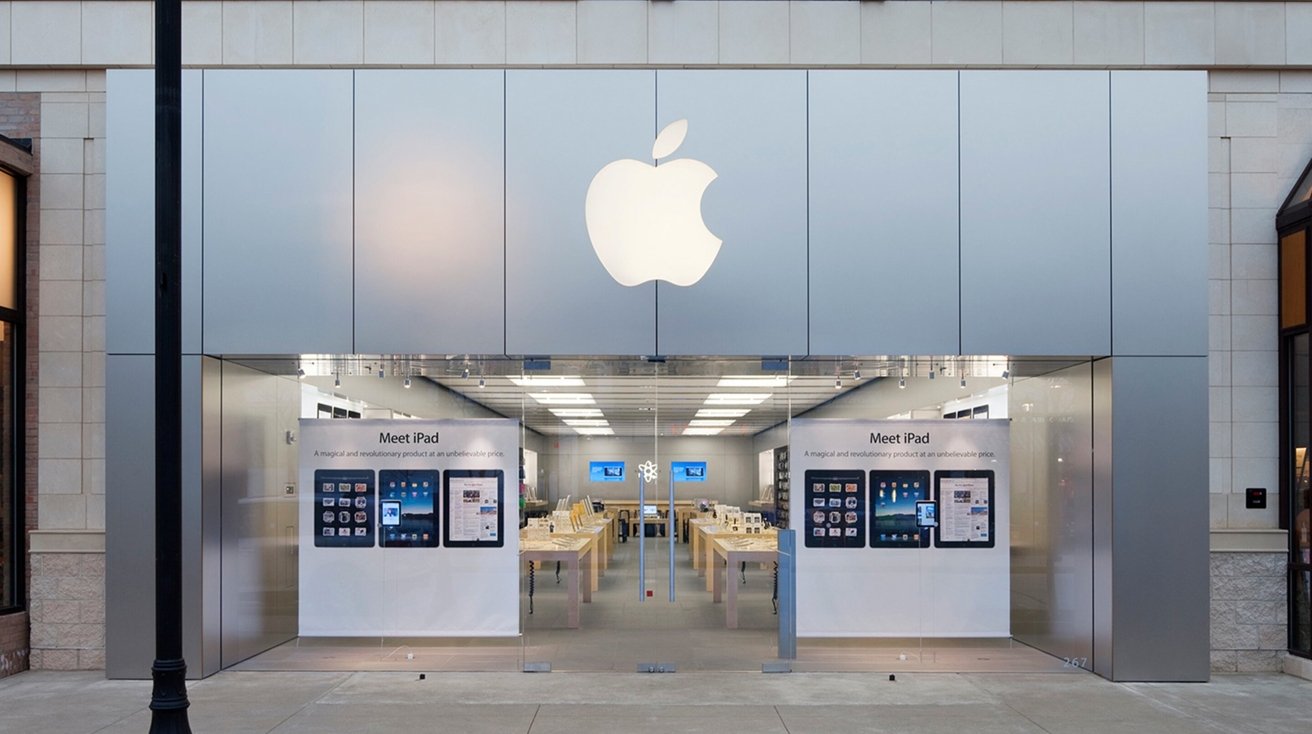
<point>682,703</point>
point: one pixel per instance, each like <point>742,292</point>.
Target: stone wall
<point>1249,611</point>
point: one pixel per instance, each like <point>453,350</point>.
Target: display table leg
<point>595,565</point>
<point>716,579</point>
<point>708,562</point>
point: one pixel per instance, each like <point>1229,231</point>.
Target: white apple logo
<point>645,221</point>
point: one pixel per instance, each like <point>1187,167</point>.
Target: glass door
<point>663,459</point>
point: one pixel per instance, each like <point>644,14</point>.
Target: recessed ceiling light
<point>723,412</point>
<point>754,381</point>
<point>701,431</point>
<point>709,423</point>
<point>584,422</point>
<point>577,412</point>
<point>563,398</point>
<point>728,398</point>
<point>547,381</point>
<point>595,431</point>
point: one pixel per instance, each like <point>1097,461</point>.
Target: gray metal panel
<point>1159,212</point>
<point>1035,247</point>
<point>259,604</point>
<point>883,252</point>
<point>202,542</point>
<point>130,211</point>
<point>1052,512</point>
<point>129,515</point>
<point>1160,583</point>
<point>750,127</point>
<point>193,207</point>
<point>278,251</point>
<point>1102,518</point>
<point>429,215</point>
<point>562,127</point>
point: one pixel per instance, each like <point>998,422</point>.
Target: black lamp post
<point>168,700</point>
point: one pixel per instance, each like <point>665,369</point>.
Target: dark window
<point>11,506</point>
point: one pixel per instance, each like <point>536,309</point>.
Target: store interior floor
<point>618,631</point>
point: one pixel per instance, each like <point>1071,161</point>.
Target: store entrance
<point>659,514</point>
<point>647,473</point>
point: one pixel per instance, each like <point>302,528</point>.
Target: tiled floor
<point>619,630</point>
<point>574,703</point>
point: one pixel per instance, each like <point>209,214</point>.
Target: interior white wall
<point>730,467</point>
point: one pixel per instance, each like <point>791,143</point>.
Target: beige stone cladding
<point>1249,612</point>
<point>66,557</point>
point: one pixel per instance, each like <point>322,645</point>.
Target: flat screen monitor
<point>688,471</point>
<point>649,511</point>
<point>605,471</point>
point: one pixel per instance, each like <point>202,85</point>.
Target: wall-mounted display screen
<point>408,508</point>
<point>965,500</point>
<point>688,471</point>
<point>472,511</point>
<point>835,509</point>
<point>344,508</point>
<point>605,471</point>
<point>894,495</point>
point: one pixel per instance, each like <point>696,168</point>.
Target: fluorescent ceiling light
<point>586,422</point>
<point>577,412</point>
<point>728,398</point>
<point>723,412</point>
<point>547,381</point>
<point>563,398</point>
<point>708,423</point>
<point>595,431</point>
<point>701,431</point>
<point>754,381</point>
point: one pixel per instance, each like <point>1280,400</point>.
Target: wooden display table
<point>735,550</point>
<point>704,535</point>
<point>570,551</point>
<point>682,509</point>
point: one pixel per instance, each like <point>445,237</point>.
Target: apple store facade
<point>676,304</point>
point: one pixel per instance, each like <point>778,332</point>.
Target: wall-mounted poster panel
<point>688,471</point>
<point>472,516</point>
<point>387,569</point>
<point>900,584</point>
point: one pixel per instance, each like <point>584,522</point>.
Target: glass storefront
<point>11,520</point>
<point>897,513</point>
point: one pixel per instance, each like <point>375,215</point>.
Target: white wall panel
<point>1159,213</point>
<point>883,198</point>
<point>278,210</point>
<point>561,128</point>
<point>750,127</point>
<point>1035,225</point>
<point>429,187</point>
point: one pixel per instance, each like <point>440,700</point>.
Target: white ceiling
<point>638,397</point>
